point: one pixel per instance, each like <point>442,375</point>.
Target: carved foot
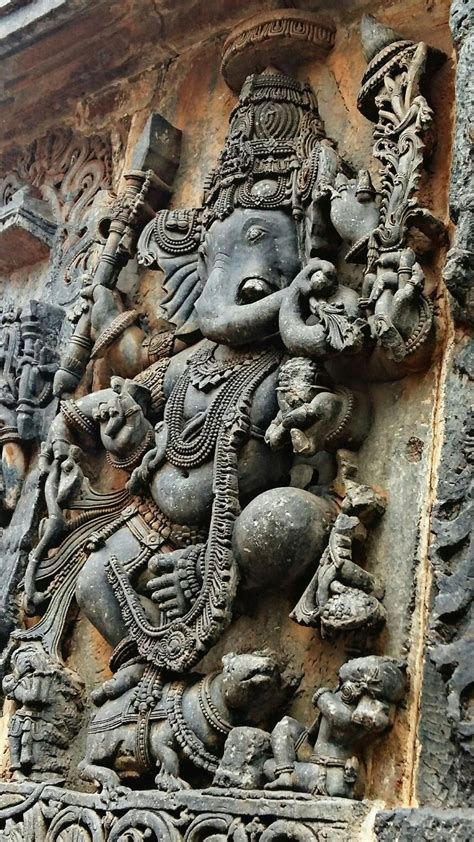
<point>112,793</point>
<point>283,781</point>
<point>106,779</point>
<point>166,782</point>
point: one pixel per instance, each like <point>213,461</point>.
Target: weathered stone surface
<point>446,728</point>
<point>284,467</point>
<point>458,272</point>
<point>285,37</point>
<point>173,817</point>
<point>26,231</point>
<point>424,823</point>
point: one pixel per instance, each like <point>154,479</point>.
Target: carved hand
<point>336,326</point>
<point>123,425</point>
<point>152,460</point>
<point>166,589</point>
<point>178,582</point>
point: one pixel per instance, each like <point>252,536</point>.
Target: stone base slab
<point>43,813</point>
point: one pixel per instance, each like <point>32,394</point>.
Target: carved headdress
<point>272,159</point>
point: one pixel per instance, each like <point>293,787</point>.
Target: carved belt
<point>148,518</point>
<point>124,718</point>
<point>151,527</point>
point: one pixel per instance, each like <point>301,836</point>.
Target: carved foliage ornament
<point>286,37</point>
<point>65,172</point>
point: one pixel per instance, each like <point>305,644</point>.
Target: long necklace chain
<point>192,452</point>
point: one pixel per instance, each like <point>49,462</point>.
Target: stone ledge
<point>23,22</point>
<point>179,815</point>
<point>26,231</point>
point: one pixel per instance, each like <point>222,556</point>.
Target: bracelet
<point>153,378</point>
<point>319,693</point>
<point>284,770</point>
<point>76,418</point>
<point>8,434</point>
<point>135,457</point>
<point>113,331</point>
<point>159,346</point>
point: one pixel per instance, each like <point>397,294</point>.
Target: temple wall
<point>94,78</point>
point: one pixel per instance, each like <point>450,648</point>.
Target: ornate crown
<point>270,157</point>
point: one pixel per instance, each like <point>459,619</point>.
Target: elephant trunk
<point>223,319</point>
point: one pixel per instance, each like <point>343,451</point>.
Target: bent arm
<point>332,707</point>
<point>298,337</point>
<point>67,424</point>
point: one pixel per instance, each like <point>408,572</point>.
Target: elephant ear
<point>170,242</point>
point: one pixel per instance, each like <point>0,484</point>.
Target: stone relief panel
<point>47,192</point>
<point>229,443</point>
<point>52,196</point>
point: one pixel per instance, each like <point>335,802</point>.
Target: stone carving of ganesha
<point>209,430</point>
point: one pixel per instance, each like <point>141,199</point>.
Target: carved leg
<point>107,779</point>
<point>15,753</point>
<point>95,594</point>
<point>102,748</point>
<point>166,758</point>
<point>337,785</point>
<point>285,736</point>
<point>310,777</point>
<point>123,680</point>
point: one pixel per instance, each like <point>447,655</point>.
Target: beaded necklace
<point>194,450</point>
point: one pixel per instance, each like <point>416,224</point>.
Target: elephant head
<point>227,264</point>
<point>235,281</point>
<point>246,262</point>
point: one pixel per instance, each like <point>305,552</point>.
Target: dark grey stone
<point>424,824</point>
<point>446,728</point>
<point>459,269</point>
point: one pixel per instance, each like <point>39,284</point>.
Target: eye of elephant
<point>255,233</point>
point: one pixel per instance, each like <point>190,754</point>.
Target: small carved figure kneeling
<point>361,709</point>
<point>315,414</point>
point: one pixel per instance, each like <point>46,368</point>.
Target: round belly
<point>184,496</point>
